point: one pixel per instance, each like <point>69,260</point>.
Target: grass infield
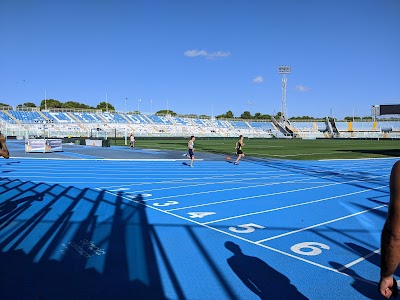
<point>295,149</point>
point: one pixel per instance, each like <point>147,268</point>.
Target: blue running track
<point>81,226</point>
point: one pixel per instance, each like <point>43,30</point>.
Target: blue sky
<point>203,57</point>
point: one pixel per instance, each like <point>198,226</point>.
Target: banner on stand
<point>43,145</point>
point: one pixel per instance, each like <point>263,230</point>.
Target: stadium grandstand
<point>61,123</point>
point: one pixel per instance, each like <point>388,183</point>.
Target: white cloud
<point>213,55</point>
<point>258,79</point>
<point>194,53</point>
<point>250,102</point>
<point>302,88</point>
<point>218,54</point>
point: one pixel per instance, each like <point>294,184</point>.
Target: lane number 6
<point>309,248</point>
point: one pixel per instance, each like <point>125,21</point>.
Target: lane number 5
<point>247,228</point>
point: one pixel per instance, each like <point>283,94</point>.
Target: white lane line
<point>294,205</point>
<point>320,224</point>
<point>185,179</point>
<point>48,176</point>
<point>231,181</point>
<point>233,189</point>
<point>359,260</point>
<point>359,159</point>
<point>105,159</point>
<point>247,240</point>
<point>267,195</point>
<point>293,155</point>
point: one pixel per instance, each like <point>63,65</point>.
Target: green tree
<point>227,115</point>
<point>104,106</point>
<point>27,104</point>
<point>50,103</point>
<point>264,117</point>
<point>350,119</point>
<point>73,104</point>
<point>302,118</point>
<point>246,115</point>
<point>164,112</point>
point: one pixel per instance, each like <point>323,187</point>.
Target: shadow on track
<point>364,287</point>
<point>66,243</point>
<point>259,277</point>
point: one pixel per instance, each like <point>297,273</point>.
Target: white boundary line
<point>107,159</point>
<point>294,205</point>
<point>231,181</point>
<point>247,240</point>
<point>185,179</point>
<point>358,159</point>
<point>359,260</point>
<point>267,195</point>
<point>317,225</point>
<point>287,155</point>
<point>236,188</point>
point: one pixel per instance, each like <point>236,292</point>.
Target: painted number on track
<point>200,214</point>
<point>168,203</point>
<point>247,228</point>
<point>309,248</point>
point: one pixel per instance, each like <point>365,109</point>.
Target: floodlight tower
<point>284,70</point>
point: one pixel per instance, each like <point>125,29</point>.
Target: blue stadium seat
<point>160,120</point>
<point>7,118</point>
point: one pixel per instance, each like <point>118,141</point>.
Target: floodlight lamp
<point>284,70</point>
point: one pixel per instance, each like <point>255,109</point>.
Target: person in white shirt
<point>131,141</point>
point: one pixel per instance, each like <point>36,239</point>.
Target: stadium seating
<point>394,125</point>
<point>137,119</point>
<point>360,126</point>
<point>84,117</point>
<point>201,122</point>
<point>59,117</point>
<point>26,117</point>
<point>160,120</point>
<point>239,124</point>
<point>6,118</point>
<point>85,123</point>
<point>114,118</point>
<point>181,121</point>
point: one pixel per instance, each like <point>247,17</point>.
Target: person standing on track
<point>131,141</point>
<point>238,147</point>
<point>3,147</point>
<point>191,150</point>
<point>390,238</point>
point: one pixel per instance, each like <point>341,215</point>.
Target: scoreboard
<point>390,109</point>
